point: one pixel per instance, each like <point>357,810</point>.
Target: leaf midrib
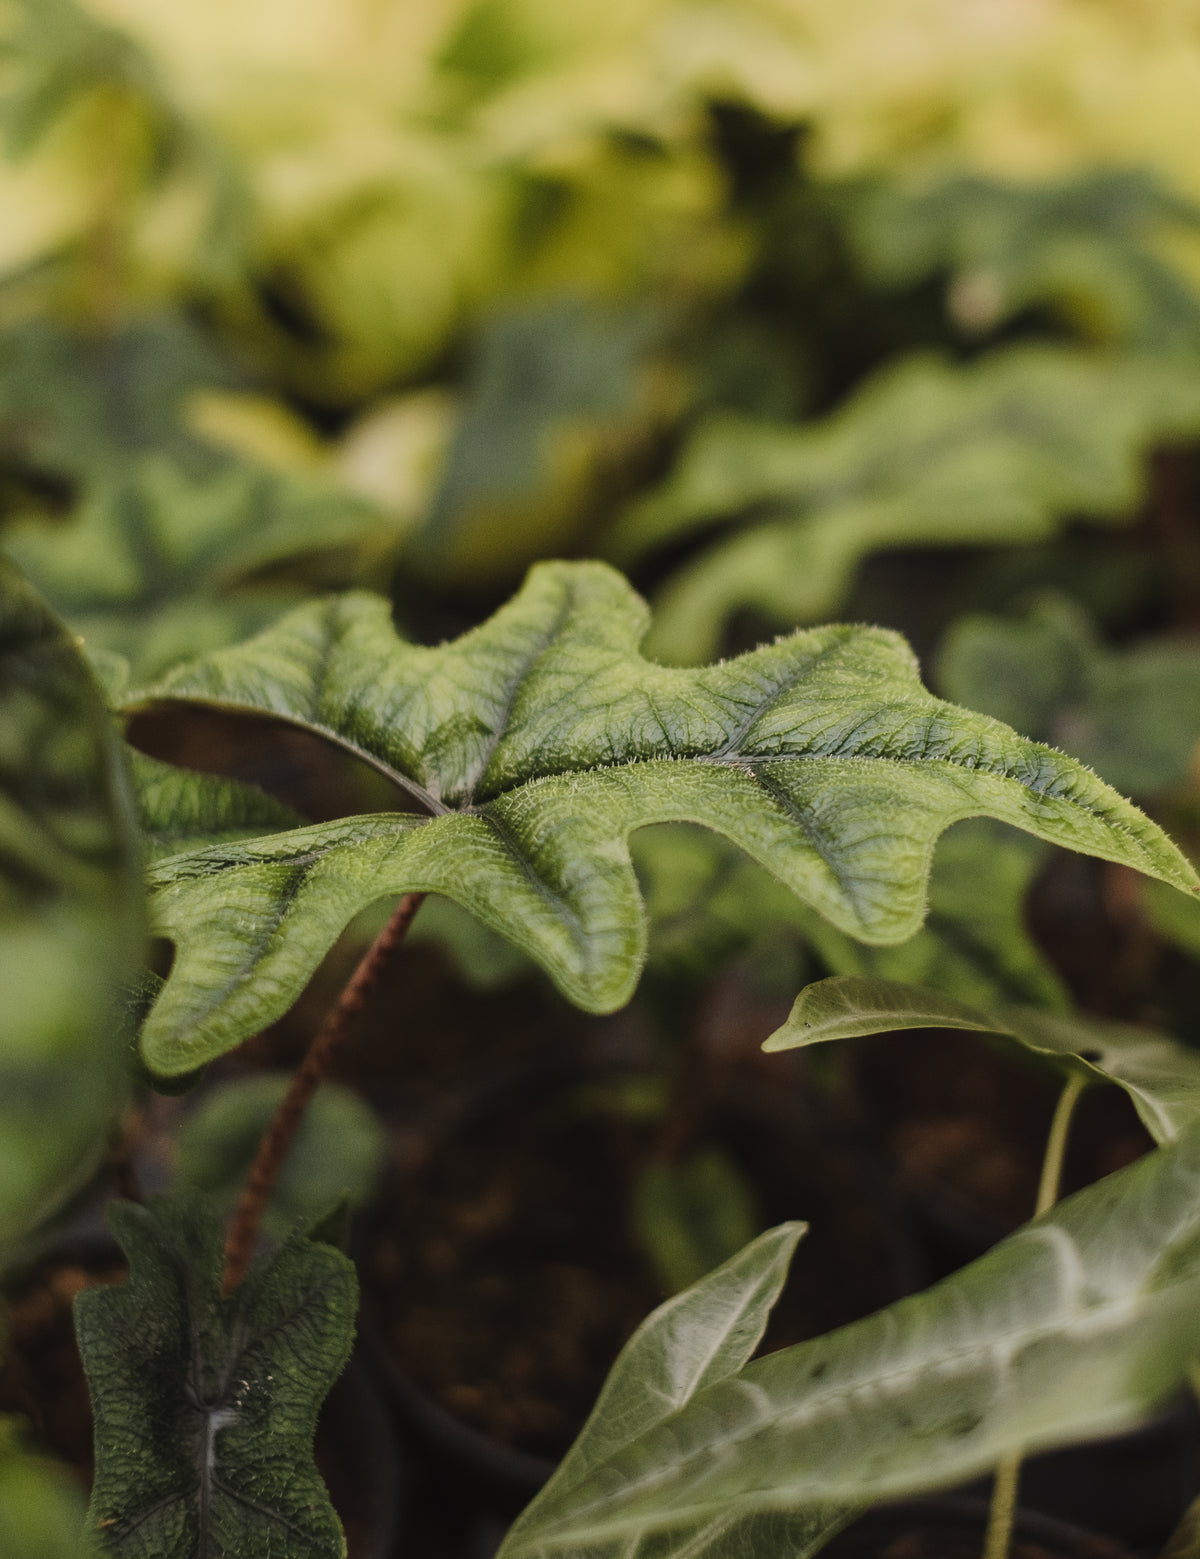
<point>1098,1315</point>
<point>721,756</point>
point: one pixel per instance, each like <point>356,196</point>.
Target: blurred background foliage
<point>793,310</point>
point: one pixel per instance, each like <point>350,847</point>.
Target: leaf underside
<point>1160,1075</point>
<point>205,1408</point>
<point>1076,1326</point>
<point>538,742</point>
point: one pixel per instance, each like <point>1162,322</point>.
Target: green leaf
<point>691,1342</point>
<point>538,742</point>
<point>161,564</point>
<point>1161,1076</point>
<point>41,1508</point>
<point>1132,714</point>
<point>205,1408</point>
<point>927,453</point>
<point>337,1152</point>
<point>1078,1325</point>
<point>707,902</point>
<point>555,387</point>
<point>1091,245</point>
<point>693,1215</point>
<point>70,913</point>
<point>182,811</point>
<point>84,406</point>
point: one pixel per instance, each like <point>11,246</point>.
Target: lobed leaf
<point>1090,245</point>
<point>1077,1325</point>
<point>538,742</point>
<point>205,1407</point>
<point>1160,1075</point>
<point>925,454</point>
<point>70,913</point>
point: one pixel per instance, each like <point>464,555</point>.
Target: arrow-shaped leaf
<point>536,743</point>
<point>1161,1076</point>
<point>1078,1325</point>
<point>205,1407</point>
<point>70,912</point>
<point>694,1340</point>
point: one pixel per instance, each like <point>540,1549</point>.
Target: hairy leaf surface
<point>1077,1325</point>
<point>535,745</point>
<point>70,912</point>
<point>205,1407</point>
<point>925,454</point>
<point>1161,1076</point>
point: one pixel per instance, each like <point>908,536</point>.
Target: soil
<point>965,1124</point>
<point>500,1271</point>
<point>42,1379</point>
<point>954,1529</point>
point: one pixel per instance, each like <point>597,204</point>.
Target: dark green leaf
<point>70,913</point>
<point>1161,1076</point>
<point>693,1215</point>
<point>205,1408</point>
<point>1076,1326</point>
<point>538,742</point>
<point>707,902</point>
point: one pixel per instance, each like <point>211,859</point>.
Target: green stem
<point>1008,1472</point>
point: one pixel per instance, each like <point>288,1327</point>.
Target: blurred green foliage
<point>790,308</point>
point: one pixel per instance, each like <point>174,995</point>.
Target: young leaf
<point>1161,1076</point>
<point>1078,1325</point>
<point>205,1407</point>
<point>538,742</point>
<point>70,913</point>
<point>925,454</point>
<point>694,1340</point>
<point>1131,714</point>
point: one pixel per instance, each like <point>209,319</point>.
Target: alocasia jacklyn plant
<point>523,755</point>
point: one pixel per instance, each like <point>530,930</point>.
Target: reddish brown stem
<point>272,1150</point>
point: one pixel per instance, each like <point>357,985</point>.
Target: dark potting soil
<point>965,1124</point>
<point>42,1380</point>
<point>501,1273</point>
<point>952,1528</point>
